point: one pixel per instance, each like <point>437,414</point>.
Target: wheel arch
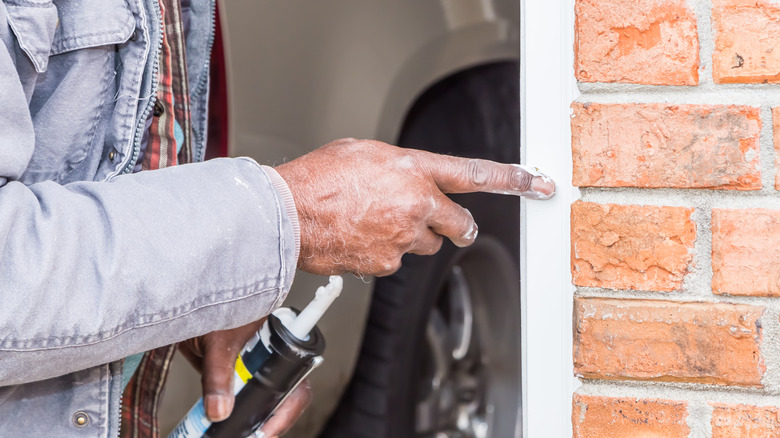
<point>457,52</point>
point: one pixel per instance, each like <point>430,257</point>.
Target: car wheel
<point>441,352</point>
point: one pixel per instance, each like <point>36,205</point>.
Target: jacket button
<point>158,109</point>
<point>111,155</point>
<point>80,419</point>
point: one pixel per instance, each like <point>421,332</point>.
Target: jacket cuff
<point>285,194</point>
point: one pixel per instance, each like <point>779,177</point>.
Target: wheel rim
<point>460,389</point>
<point>452,405</point>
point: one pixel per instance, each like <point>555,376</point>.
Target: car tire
<point>441,351</point>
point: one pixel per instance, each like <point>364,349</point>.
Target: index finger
<point>466,175</point>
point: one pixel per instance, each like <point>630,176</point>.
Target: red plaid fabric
<point>141,398</point>
<point>173,99</point>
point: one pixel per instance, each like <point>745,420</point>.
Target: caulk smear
<point>240,183</point>
<point>406,162</point>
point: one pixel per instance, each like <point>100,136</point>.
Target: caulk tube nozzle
<point>309,316</point>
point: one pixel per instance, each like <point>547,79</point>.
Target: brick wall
<point>675,242</point>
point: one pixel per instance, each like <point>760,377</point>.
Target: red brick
<point>741,421</point>
<point>747,34</point>
<point>600,417</point>
<point>641,41</point>
<point>745,252</point>
<point>776,134</point>
<point>715,343</point>
<point>630,246</point>
<point>661,145</point>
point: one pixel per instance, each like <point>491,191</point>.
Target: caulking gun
<point>281,354</point>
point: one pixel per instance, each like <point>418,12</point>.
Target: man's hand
<point>214,356</point>
<point>363,204</point>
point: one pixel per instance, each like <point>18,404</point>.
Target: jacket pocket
<point>91,23</point>
<point>34,22</point>
<point>73,99</point>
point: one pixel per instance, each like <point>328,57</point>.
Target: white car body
<point>301,73</point>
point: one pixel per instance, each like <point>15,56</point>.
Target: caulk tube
<point>290,361</point>
<point>280,335</point>
<point>195,423</point>
<point>295,348</point>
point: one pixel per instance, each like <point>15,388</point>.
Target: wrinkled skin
<point>362,205</point>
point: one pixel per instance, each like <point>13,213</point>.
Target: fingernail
<point>543,187</point>
<point>540,185</point>
<point>472,235</point>
<point>218,406</point>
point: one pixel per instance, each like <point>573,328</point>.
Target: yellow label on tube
<point>241,370</point>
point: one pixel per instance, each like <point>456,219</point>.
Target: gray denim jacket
<point>97,264</point>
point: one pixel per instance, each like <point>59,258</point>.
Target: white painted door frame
<point>547,89</point>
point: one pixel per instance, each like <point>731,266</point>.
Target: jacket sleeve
<point>95,271</point>
<point>91,272</point>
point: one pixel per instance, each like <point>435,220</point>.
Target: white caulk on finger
<point>282,353</point>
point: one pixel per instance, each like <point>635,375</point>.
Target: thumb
<point>219,361</point>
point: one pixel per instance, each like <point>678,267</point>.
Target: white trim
<point>547,90</point>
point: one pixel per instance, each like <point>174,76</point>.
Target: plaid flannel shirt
<point>141,398</point>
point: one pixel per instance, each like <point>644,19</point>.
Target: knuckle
<point>383,266</point>
<point>405,205</point>
<point>391,267</point>
<point>477,172</point>
<point>413,208</point>
<point>430,246</point>
<point>350,145</point>
<point>407,239</point>
<point>436,246</point>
